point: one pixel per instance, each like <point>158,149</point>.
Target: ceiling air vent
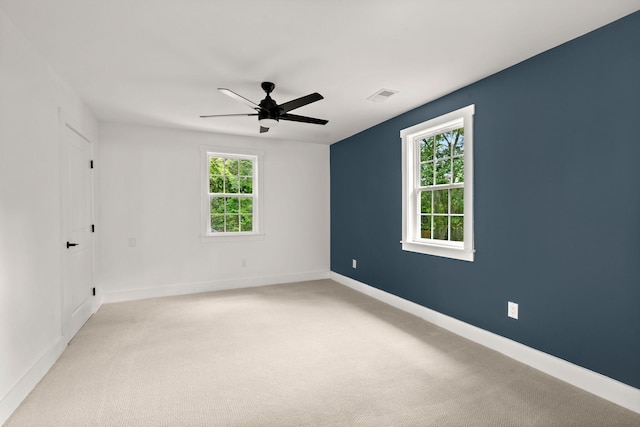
<point>382,95</point>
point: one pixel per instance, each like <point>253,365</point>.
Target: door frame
<point>70,324</point>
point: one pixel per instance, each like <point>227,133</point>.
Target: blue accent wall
<point>557,205</point>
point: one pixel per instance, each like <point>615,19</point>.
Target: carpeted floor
<point>302,354</point>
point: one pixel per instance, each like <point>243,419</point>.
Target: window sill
<point>439,250</point>
<point>228,237</point>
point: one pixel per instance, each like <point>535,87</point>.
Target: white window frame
<point>206,152</point>
<point>411,239</point>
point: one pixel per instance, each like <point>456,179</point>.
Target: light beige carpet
<point>302,354</point>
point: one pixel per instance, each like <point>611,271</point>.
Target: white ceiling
<point>159,62</point>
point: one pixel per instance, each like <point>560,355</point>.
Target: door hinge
<point>93,228</point>
<point>94,292</point>
<point>91,164</point>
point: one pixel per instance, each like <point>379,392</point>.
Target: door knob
<point>71,244</point>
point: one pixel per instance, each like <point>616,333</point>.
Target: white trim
<point>447,251</point>
<point>258,202</point>
<point>231,237</point>
<point>411,240</point>
<point>10,402</point>
<point>607,388</point>
<point>71,322</point>
<point>199,287</point>
<point>79,317</point>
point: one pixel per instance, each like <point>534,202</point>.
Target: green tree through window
<point>231,193</point>
<point>441,191</point>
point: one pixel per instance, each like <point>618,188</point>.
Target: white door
<point>77,202</point>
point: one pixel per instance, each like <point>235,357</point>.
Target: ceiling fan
<point>269,112</point>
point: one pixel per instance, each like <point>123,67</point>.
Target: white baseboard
<point>30,379</point>
<point>199,287</point>
<point>593,382</point>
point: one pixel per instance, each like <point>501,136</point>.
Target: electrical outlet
<point>354,263</point>
<point>512,310</point>
<point>244,262</point>
<point>132,242</point>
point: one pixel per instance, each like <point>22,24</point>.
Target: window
<point>437,186</point>
<point>231,204</point>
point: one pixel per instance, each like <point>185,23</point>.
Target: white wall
<point>150,186</point>
<point>30,212</point>
<point>149,189</point>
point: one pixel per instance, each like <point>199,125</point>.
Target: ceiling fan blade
<point>303,119</point>
<point>299,102</point>
<point>240,98</point>
<point>263,129</point>
<point>229,115</point>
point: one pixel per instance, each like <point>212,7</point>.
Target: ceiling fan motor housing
<point>263,114</point>
<point>269,109</point>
